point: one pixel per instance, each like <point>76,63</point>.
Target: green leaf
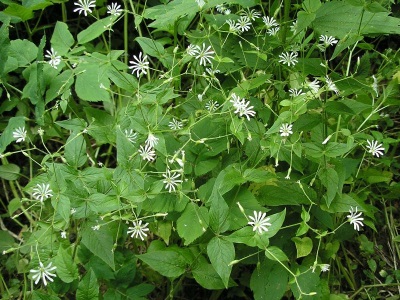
<point>6,137</point>
<point>192,223</point>
<point>219,212</point>
<point>13,206</point>
<point>168,263</point>
<point>61,40</point>
<point>60,85</point>
<point>207,277</point>
<point>102,127</point>
<point>275,253</point>
<point>23,51</point>
<point>75,150</point>
<point>151,47</point>
<point>62,206</point>
<point>276,221</point>
<point>4,46</point>
<point>19,11</point>
<point>88,288</point>
<point>9,172</point>
<point>221,254</point>
<point>339,18</point>
<point>90,81</point>
<point>100,243</point>
<point>6,241</point>
<point>283,193</point>
<point>95,29</point>
<point>67,270</point>
<point>139,291</point>
<point>205,165</point>
<point>303,246</point>
<point>269,281</point>
<point>329,178</point>
<point>36,295</point>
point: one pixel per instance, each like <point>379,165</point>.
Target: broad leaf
<point>221,254</point>
<point>192,223</point>
<point>99,242</point>
<point>62,40</point>
<point>207,277</point>
<point>96,29</point>
<point>168,263</point>
<point>75,150</point>
<point>88,288</point>
<point>269,281</point>
<point>66,268</point>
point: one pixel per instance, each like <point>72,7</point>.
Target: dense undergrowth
<point>195,149</point>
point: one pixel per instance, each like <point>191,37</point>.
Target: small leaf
<point>221,254</point>
<point>275,253</point>
<point>329,178</point>
<point>219,212</point>
<point>303,245</point>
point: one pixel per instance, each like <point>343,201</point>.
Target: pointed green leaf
<point>192,223</point>
<point>66,268</point>
<point>166,262</point>
<point>95,30</point>
<point>88,288</point>
<point>219,212</point>
<point>221,254</point>
<point>303,246</point>
<point>330,179</point>
<point>75,150</point>
<point>9,172</point>
<point>61,40</point>
<point>275,253</point>
<point>207,277</point>
<point>100,243</point>
<point>269,281</point>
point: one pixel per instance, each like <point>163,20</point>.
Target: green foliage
<point>181,148</point>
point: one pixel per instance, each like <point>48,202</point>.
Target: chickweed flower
<point>259,222</point>
<point>147,153</point>
<point>243,24</point>
<point>324,267</point>
<point>42,191</point>
<point>63,234</point>
<point>354,218</point>
<point>269,22</point>
<point>205,55</point>
<point>55,60</point>
<point>140,65</point>
<point>131,135</point>
<point>114,9</point>
<point>273,31</point>
<point>326,42</point>
<point>96,227</point>
<point>314,86</point>
<point>374,148</point>
<point>330,85</point>
<point>151,140</point>
<point>232,26</point>
<point>251,14</point>
<point>296,92</point>
<point>193,50</point>
<point>286,129</point>
<point>244,109</point>
<point>212,105</point>
<point>138,230</point>
<point>44,273</point>
<point>200,3</point>
<point>175,124</point>
<point>85,6</point>
<point>171,180</point>
<point>19,134</point>
<point>288,58</point>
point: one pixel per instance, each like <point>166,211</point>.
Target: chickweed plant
<point>199,149</point>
